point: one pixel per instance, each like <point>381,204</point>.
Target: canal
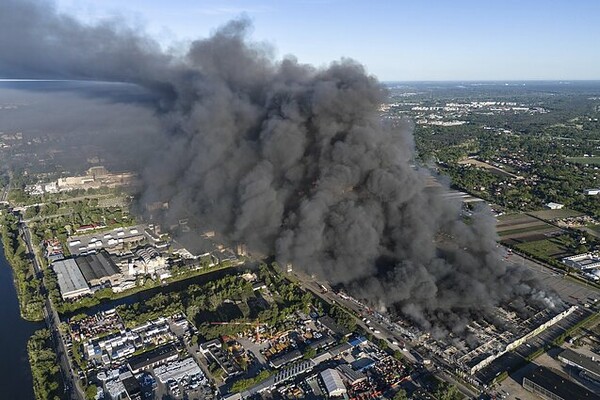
<point>171,287</point>
<point>15,373</point>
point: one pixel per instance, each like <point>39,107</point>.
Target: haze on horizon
<point>464,40</point>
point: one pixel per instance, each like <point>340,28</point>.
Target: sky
<point>395,40</point>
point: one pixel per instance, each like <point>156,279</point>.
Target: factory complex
<point>587,263</point>
<point>118,258</point>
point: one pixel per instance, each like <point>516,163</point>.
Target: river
<point>15,374</point>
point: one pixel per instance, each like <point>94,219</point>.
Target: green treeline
<point>26,283</point>
<point>229,299</point>
<point>44,366</point>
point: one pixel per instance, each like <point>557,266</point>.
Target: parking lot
<point>570,291</point>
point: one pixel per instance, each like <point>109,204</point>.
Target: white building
<point>583,262</point>
<point>70,279</point>
<point>554,206</point>
<point>592,192</point>
<point>333,382</point>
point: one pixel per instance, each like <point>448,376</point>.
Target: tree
<point>446,391</point>
<point>309,353</point>
<point>398,355</point>
<point>90,392</point>
<point>401,395</point>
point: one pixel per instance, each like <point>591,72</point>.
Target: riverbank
<point>25,281</point>
<point>15,373</point>
<point>44,366</point>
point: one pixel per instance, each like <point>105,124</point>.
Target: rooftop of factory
<point>487,339</point>
<point>544,380</point>
<point>351,375</point>
<point>148,358</point>
<point>330,324</point>
<point>286,358</point>
<point>586,363</point>
<point>333,382</point>
<point>177,370</point>
<point>97,266</point>
<point>70,279</point>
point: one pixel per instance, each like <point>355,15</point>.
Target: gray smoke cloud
<point>290,159</point>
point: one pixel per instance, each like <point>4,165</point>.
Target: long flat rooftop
<point>70,279</point>
<point>552,385</point>
<point>590,365</point>
<point>158,354</point>
<point>96,266</point>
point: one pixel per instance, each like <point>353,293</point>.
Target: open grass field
<point>515,219</point>
<point>584,160</point>
<point>554,247</point>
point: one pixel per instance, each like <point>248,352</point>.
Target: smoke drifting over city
<point>290,159</point>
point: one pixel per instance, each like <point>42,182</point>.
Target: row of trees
<point>26,283</point>
<point>205,303</point>
<point>47,383</point>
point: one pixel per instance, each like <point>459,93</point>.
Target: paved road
<point>52,320</point>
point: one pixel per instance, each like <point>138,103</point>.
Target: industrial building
<point>551,386</point>
<point>99,269</point>
<point>178,370</point>
<point>284,359</point>
<point>70,279</point>
<point>328,322</point>
<point>489,342</point>
<point>333,382</point>
<point>583,262</point>
<point>592,192</point>
<point>574,359</point>
<point>152,358</point>
<point>554,206</point>
<point>214,349</point>
<point>352,376</point>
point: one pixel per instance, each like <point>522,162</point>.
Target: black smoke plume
<point>290,159</point>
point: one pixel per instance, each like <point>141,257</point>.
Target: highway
<point>52,319</point>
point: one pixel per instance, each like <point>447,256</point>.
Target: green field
<point>542,228</point>
<point>545,249</point>
<point>553,214</point>
<point>584,160</point>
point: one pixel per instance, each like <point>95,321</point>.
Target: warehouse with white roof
<point>70,279</point>
<point>333,382</point>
